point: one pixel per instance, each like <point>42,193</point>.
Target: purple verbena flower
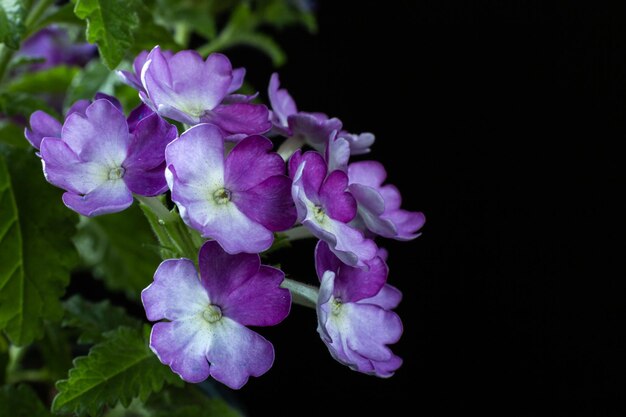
<point>313,129</point>
<point>326,207</point>
<point>379,205</point>
<point>354,314</point>
<point>359,143</point>
<point>205,332</point>
<point>100,162</point>
<point>238,200</point>
<point>186,88</point>
<point>44,125</point>
<point>52,44</point>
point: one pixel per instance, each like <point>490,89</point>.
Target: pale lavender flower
<point>186,88</point>
<point>238,200</point>
<point>379,205</point>
<point>354,314</point>
<point>100,162</point>
<point>53,45</point>
<point>207,313</point>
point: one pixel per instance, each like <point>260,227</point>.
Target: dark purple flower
<point>238,200</point>
<point>186,88</point>
<point>53,46</point>
<point>379,205</point>
<point>354,314</point>
<point>100,162</point>
<point>326,207</point>
<point>205,332</point>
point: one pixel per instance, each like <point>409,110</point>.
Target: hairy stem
<point>303,294</point>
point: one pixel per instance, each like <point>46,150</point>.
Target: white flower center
<point>116,173</point>
<point>212,313</point>
<point>335,306</point>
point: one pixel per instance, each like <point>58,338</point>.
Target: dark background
<point>500,120</point>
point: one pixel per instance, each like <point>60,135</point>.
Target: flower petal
<point>251,162</point>
<point>111,196</point>
<point>182,345</point>
<point>338,204</point>
<point>269,203</point>
<point>149,139</point>
<point>282,103</point>
<point>100,135</point>
<point>63,168</point>
<point>245,118</point>
<point>236,353</point>
<point>176,292</point>
<point>388,298</point>
<point>42,125</point>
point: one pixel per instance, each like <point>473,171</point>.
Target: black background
<point>500,120</point>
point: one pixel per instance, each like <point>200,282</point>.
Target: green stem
<point>289,146</point>
<point>303,294</point>
<point>297,233</point>
<point>29,375</point>
<point>169,227</point>
<point>5,57</point>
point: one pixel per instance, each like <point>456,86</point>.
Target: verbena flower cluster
<point>231,186</point>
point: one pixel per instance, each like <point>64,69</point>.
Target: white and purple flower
<point>326,207</point>
<point>100,161</point>
<point>239,199</point>
<point>186,88</point>
<point>354,314</point>
<point>379,205</point>
<point>208,313</point>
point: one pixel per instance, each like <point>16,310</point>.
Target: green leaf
<point>189,402</point>
<point>111,24</point>
<point>21,401</point>
<point>13,135</point>
<point>93,78</point>
<point>281,13</point>
<point>265,44</point>
<point>23,104</point>
<point>12,17</point>
<point>125,261</point>
<point>52,80</point>
<point>119,369</point>
<point>55,351</point>
<point>36,253</point>
<point>95,319</point>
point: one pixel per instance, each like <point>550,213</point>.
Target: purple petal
<point>351,284</point>
<point>133,78</point>
<point>138,114</point>
<point>149,139</point>
<point>338,204</point>
<point>269,203</point>
<point>407,223</point>
<point>42,125</point>
<point>176,292</point>
<point>349,244</point>
<point>236,352</point>
<point>337,154</point>
<point>313,129</point>
<point>388,298</point>
<point>371,208</point>
<point>313,174</point>
<point>225,223</point>
<point>282,103</point>
<point>359,144</point>
<point>198,156</point>
<point>182,345</point>
<point>237,81</point>
<point>100,135</point>
<point>246,118</point>
<point>110,197</point>
<point>63,168</point>
<point>325,260</point>
<point>113,100</point>
<point>79,107</point>
<point>251,162</point>
<point>370,173</point>
<point>149,182</point>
